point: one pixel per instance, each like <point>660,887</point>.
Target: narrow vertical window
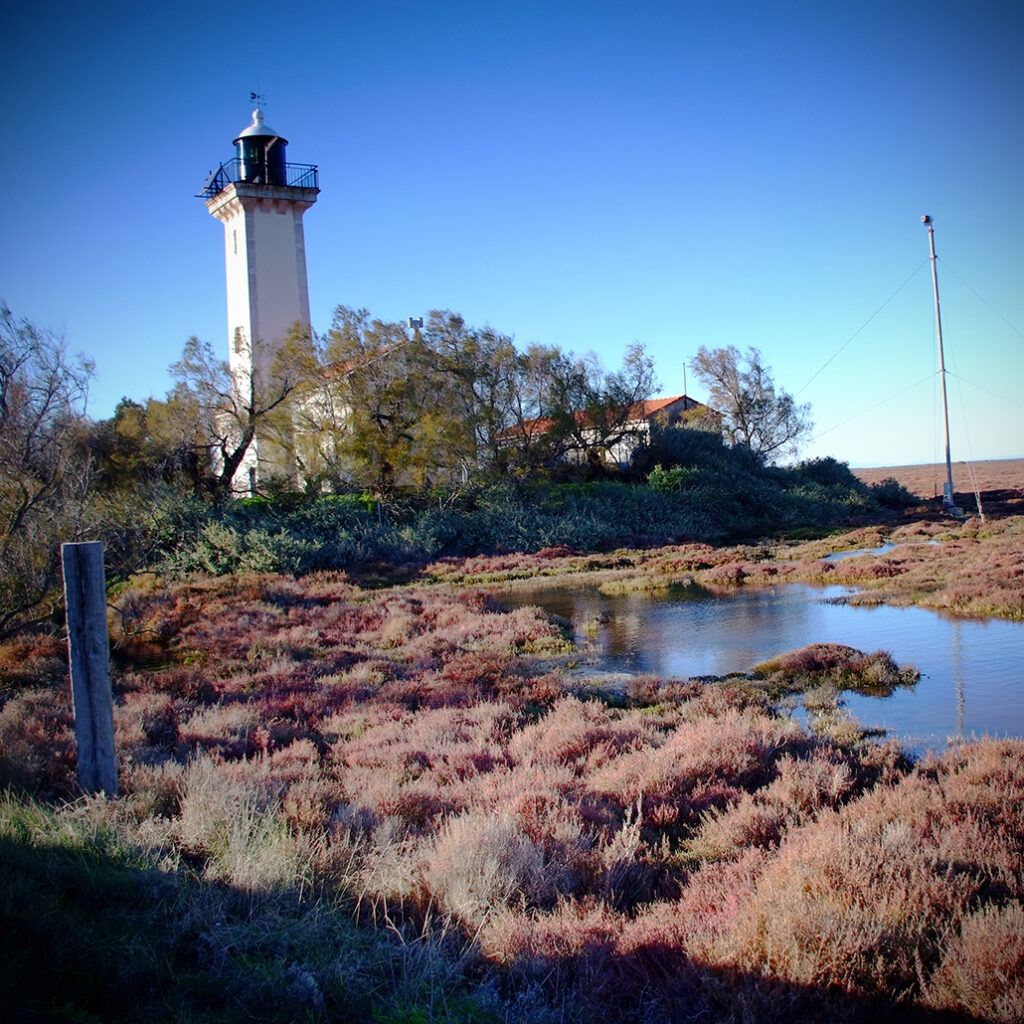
<point>234,240</point>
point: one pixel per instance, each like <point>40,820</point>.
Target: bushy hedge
<point>890,493</point>
<point>709,492</point>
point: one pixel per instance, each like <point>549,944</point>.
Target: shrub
<point>835,665</point>
<point>37,743</point>
<point>829,472</point>
<point>220,550</point>
<point>982,967</point>
<point>668,481</point>
<point>712,493</point>
<point>481,862</point>
<point>164,944</point>
<point>890,493</point>
<point>33,660</point>
<point>411,754</point>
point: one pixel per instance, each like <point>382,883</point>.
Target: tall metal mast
<point>947,490</point>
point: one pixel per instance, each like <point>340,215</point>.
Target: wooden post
<point>85,591</point>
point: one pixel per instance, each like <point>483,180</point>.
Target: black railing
<point>248,172</point>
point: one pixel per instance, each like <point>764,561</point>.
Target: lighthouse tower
<point>260,198</point>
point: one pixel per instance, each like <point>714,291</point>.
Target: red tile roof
<point>638,411</point>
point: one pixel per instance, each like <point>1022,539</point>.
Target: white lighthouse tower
<point>260,198</point>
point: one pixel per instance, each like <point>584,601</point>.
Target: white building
<point>630,434</point>
<point>260,198</point>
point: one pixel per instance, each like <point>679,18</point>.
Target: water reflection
<point>957,669</point>
<point>839,556</point>
<point>694,633</point>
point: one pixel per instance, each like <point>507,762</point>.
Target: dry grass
<point>982,966</point>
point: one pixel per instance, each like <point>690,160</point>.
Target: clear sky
<point>587,174</point>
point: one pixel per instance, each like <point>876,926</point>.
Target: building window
<point>234,240</point>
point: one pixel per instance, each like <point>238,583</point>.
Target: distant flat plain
<point>926,480</point>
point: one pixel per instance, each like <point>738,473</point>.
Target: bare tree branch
<point>754,414</point>
<point>43,487</point>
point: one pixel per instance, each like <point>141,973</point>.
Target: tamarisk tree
<point>43,485</point>
<point>754,413</point>
<point>223,414</point>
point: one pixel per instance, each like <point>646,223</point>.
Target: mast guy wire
<point>863,325</point>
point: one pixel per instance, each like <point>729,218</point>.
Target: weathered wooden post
<point>85,592</point>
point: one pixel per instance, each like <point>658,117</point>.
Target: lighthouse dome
<point>259,129</point>
<point>261,153</point>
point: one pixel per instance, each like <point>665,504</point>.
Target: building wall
<point>240,325</point>
<point>265,263</point>
<point>277,273</point>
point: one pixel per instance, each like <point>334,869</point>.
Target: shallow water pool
<point>972,672</point>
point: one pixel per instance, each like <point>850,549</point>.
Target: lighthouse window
<point>234,240</point>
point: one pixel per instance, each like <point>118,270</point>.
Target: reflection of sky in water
<point>840,556</point>
<point>972,671</point>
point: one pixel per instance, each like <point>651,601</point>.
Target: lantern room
<point>260,153</point>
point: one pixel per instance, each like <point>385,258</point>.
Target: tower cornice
<point>226,202</point>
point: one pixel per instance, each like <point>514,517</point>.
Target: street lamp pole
<point>947,496</point>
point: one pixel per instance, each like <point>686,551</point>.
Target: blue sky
<point>584,174</point>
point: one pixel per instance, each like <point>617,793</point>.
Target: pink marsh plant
<point>677,850</point>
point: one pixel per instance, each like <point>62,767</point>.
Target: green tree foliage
<point>890,493</point>
<point>146,483</point>
<point>754,414</point>
<point>134,448</point>
<point>399,431</point>
<point>317,426</point>
<point>477,373</point>
<point>451,403</point>
<point>532,413</point>
<point>43,486</point>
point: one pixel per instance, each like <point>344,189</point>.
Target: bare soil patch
<point>926,480</point>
